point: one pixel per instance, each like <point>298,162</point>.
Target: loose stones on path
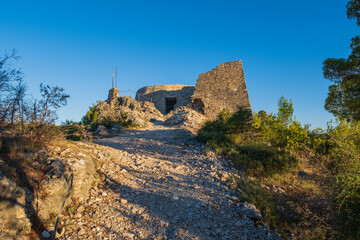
<point>157,184</point>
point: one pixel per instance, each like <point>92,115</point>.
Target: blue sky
<point>74,44</point>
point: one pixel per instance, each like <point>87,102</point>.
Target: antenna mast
<point>112,77</point>
<point>116,77</point>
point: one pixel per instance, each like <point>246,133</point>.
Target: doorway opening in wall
<point>170,104</point>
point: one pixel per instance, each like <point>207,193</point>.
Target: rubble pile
<point>186,117</point>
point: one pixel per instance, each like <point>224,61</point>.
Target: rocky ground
<point>187,118</point>
<point>157,183</point>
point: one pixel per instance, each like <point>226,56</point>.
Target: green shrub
<point>70,130</point>
<point>91,116</point>
<point>319,141</point>
<point>296,136</point>
<point>106,122</point>
<point>345,165</point>
<point>262,160</point>
<point>347,200</point>
<point>91,119</point>
<point>345,146</point>
<point>213,132</point>
<point>239,122</point>
<point>281,130</point>
<point>224,115</point>
<point>76,131</point>
<point>236,138</point>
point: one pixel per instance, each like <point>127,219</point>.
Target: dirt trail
<point>157,184</point>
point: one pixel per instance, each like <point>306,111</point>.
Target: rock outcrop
<point>13,218</point>
<point>124,109</point>
<point>223,87</point>
<point>54,188</point>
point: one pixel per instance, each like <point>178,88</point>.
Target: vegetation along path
<point>158,184</point>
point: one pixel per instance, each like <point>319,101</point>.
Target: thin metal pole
<point>112,77</point>
<point>116,77</point>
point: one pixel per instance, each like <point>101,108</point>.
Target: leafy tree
<point>281,130</point>
<point>52,99</point>
<point>344,95</point>
<point>285,111</point>
<point>12,90</point>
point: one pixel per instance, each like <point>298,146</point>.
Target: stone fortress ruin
<point>222,87</point>
<point>166,97</point>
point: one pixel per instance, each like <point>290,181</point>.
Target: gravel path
<point>157,184</point>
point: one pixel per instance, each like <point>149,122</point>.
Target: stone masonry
<point>166,97</point>
<point>223,87</point>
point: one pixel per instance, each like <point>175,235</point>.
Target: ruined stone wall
<point>157,94</point>
<point>223,87</point>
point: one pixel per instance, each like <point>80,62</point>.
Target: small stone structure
<point>166,97</point>
<point>222,87</point>
<point>113,94</point>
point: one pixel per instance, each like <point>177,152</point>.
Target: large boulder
<point>13,218</point>
<point>250,211</point>
<point>55,187</point>
<point>102,131</point>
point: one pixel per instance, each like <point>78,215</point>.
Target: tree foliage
<point>52,99</point>
<point>12,89</point>
<point>281,130</point>
<point>91,116</point>
<point>16,107</point>
<point>344,94</point>
<point>31,120</point>
<point>344,165</point>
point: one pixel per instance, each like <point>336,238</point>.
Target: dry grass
<point>297,206</point>
<point>306,199</point>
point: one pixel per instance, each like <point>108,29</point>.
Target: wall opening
<point>170,104</point>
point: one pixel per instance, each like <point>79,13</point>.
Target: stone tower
<point>223,87</point>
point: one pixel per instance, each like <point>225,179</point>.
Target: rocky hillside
<point>125,109</point>
<point>156,182</point>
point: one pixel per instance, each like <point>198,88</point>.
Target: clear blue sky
<point>74,44</point>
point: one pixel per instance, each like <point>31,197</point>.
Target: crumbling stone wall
<point>159,93</point>
<point>223,87</point>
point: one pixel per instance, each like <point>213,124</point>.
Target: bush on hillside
<point>344,163</point>
<point>75,131</point>
<point>246,140</point>
<point>281,130</point>
<point>262,160</point>
<point>91,116</point>
<point>92,121</point>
